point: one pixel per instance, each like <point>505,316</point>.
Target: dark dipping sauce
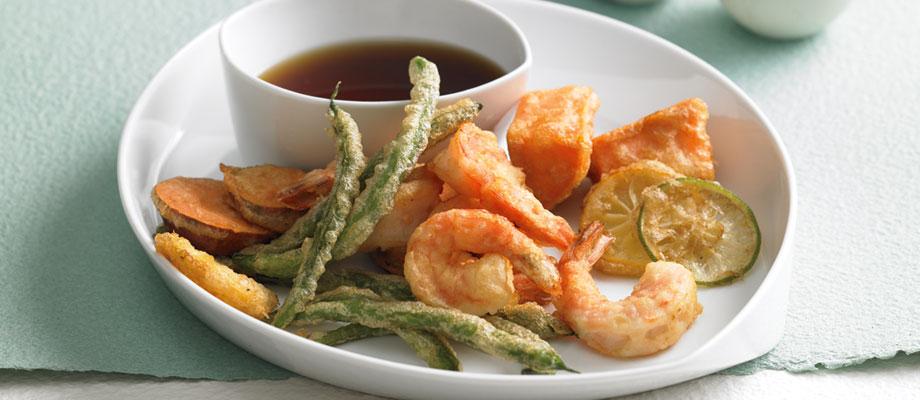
<point>378,70</point>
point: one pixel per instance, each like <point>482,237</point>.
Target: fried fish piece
<point>675,136</point>
<point>200,209</point>
<point>237,290</point>
<point>550,139</point>
<point>258,193</point>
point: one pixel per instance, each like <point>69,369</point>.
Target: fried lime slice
<point>614,201</point>
<point>701,225</point>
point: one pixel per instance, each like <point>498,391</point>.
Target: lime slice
<point>615,202</point>
<point>701,225</point>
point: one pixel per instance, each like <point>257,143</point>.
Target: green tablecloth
<point>78,294</point>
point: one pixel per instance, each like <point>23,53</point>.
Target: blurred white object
<point>785,19</point>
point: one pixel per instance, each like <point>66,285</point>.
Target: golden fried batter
<point>675,136</point>
<point>237,290</point>
<point>550,139</point>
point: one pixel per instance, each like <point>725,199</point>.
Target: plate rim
<point>773,274</point>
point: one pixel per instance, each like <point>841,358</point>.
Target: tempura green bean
<point>469,329</point>
<point>536,319</point>
<point>317,252</point>
<point>400,156</point>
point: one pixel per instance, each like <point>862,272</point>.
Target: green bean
<point>469,329</point>
<point>431,348</point>
<point>535,318</point>
<point>347,293</point>
<point>282,266</point>
<point>317,252</point>
<point>400,156</point>
<point>292,239</point>
<point>350,333</point>
<point>390,287</point>
<point>446,120</point>
<point>511,327</point>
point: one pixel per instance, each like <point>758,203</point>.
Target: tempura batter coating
<point>550,139</point>
<point>237,290</point>
<point>675,136</point>
<point>200,210</point>
<point>256,193</point>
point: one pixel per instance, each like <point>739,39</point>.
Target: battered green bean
<point>390,287</point>
<point>431,348</point>
<point>282,266</point>
<point>446,120</point>
<point>292,239</point>
<point>349,165</point>
<point>350,333</point>
<point>469,329</point>
<point>400,156</point>
<point>511,327</point>
<point>535,318</point>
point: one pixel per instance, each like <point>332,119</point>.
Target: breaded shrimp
<point>675,136</point>
<point>660,309</point>
<point>444,269</point>
<point>476,167</point>
<point>412,205</point>
<point>550,139</point>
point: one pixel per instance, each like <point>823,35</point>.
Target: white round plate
<point>181,126</point>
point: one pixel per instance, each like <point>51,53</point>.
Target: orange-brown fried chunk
<point>550,139</point>
<point>200,210</point>
<point>675,136</point>
<point>257,193</point>
<point>237,290</point>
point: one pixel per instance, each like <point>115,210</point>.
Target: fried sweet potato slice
<point>675,136</point>
<point>550,139</point>
<point>257,193</point>
<point>200,209</point>
<point>237,290</point>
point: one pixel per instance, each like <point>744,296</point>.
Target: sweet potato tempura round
<point>200,210</point>
<point>550,139</point>
<point>675,136</point>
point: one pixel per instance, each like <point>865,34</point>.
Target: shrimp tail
<point>588,247</point>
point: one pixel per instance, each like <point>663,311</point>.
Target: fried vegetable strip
<point>399,158</point>
<point>350,333</point>
<point>469,329</point>
<point>238,291</point>
<point>317,252</point>
<point>390,287</point>
<point>445,121</point>
<point>431,348</point>
<point>282,266</point>
<point>511,327</point>
<point>536,319</point>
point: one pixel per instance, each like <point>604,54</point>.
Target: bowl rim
<point>521,68</point>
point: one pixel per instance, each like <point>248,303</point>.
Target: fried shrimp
<point>444,269</point>
<point>414,200</point>
<point>476,167</point>
<point>660,309</point>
